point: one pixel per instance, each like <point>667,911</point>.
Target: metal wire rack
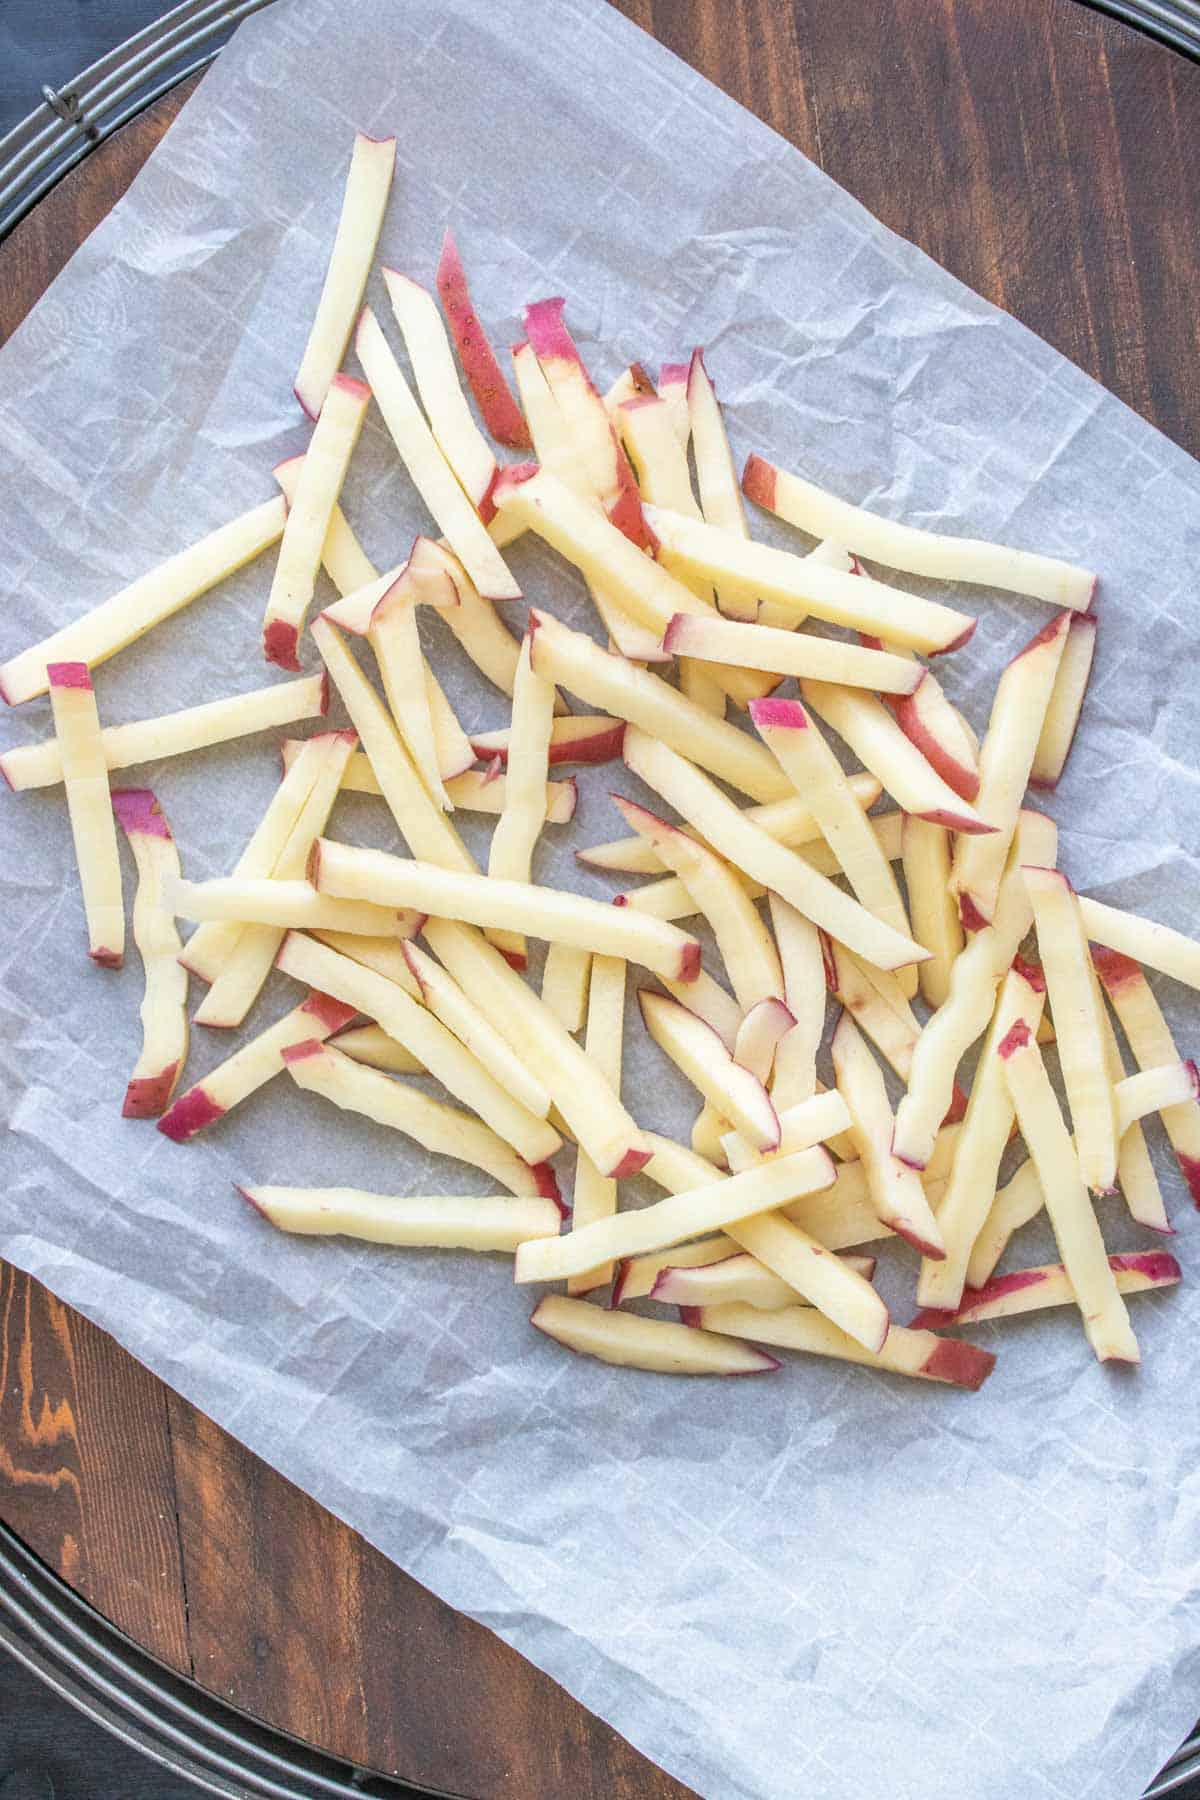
<point>72,120</point>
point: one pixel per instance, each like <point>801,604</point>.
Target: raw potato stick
<point>205,952</point>
<point>1066,702</point>
<point>368,184</point>
<point>904,1352</point>
<point>981,1143</point>
<point>695,1049</point>
<point>872,733</point>
<point>175,734</point>
<point>925,854</point>
<point>803,585</point>
<point>1136,1177</point>
<point>1076,1007</point>
<point>441,1222</point>
<point>790,820</point>
<point>1105,1320</point>
<point>406,682</point>
<point>793,739</point>
<point>551,913</point>
<point>1033,1290</point>
<point>749,849</point>
<point>578,738</point>
<point>732,1277</point>
<point>431,473</point>
<point>677,1218</point>
<point>325,463</point>
<point>284,905</point>
<point>501,414</point>
<point>1149,1038</point>
<point>716,473</point>
<point>420,1031</point>
<point>89,806</point>
<point>370,1044</point>
<point>743,941</point>
<point>164,1001</point>
<point>712,1003</point>
<point>1153,1090</point>
<point>146,602</point>
<point>657,1345</point>
<point>1014,1205</point>
<point>319,1069</point>
<point>1165,949</point>
<point>819,1119</point>
<point>510,857</point>
<point>459,437</point>
<point>892,1036</point>
<point>895,1190</point>
<point>423,826</point>
<point>565,977</point>
<point>790,653</point>
<point>907,548</point>
<point>595,1194</point>
<point>243,1073</point>
<point>799,945</point>
<point>634,694</point>
<point>240,981</point>
<point>591,1110</point>
<point>1005,760</point>
<point>458,1012</point>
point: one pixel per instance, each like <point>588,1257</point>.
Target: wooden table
<point>1040,152</point>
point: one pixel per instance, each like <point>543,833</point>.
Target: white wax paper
<point>824,1582</point>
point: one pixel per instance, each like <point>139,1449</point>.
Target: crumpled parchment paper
<point>824,1583</point>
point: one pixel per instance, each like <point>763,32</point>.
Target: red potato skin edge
<point>107,959</point>
<point>68,675</point>
<point>139,813</point>
<point>759,481</point>
<point>959,1364</point>
<point>280,641</point>
<point>333,1014</point>
<point>248,1196</point>
<point>147,1095</point>
<point>961,780</point>
<point>1113,967</point>
<point>191,1113</point>
<point>501,414</point>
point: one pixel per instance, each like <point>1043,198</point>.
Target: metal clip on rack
<point>73,120</point>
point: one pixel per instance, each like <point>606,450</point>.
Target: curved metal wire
<point>72,120</point>
<point>94,1667</point>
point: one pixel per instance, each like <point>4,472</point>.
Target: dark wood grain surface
<point>1044,154</point>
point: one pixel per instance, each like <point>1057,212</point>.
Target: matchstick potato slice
<point>743,941</point>
<point>937,729</point>
<point>164,1001</point>
<point>1105,1320</point>
<point>1155,1090</point>
<point>442,1129</point>
<point>209,945</point>
<point>501,414</point>
<point>458,1012</point>
<point>431,473</point>
<point>89,806</point>
<point>643,699</point>
<point>1066,702</point>
<point>799,946</point>
<point>1163,948</point>
<point>789,653</point>
<point>370,1044</point>
<point>364,202</point>
<point>681,1216</point>
<point>565,976</point>
<point>926,855</point>
<point>419,1030</point>
<point>732,835</point>
<point>737,1278</point>
<point>793,739</point>
<point>249,1068</point>
<point>351,873</point>
<point>146,602</point>
<point>904,1351</point>
<point>759,1035</point>
<point>1136,1175</point>
<point>654,1344</point>
<point>591,1110</point>
<point>321,475</point>
<point>905,547</point>
<point>440,1222</point>
<point>1077,1008</point>
<point>805,585</point>
<point>1034,1290</point>
<point>1150,1040</point>
<point>510,857</point>
<point>595,1195</point>
<point>459,437</point>
<point>695,1048</point>
<point>878,742</point>
<point>577,738</point>
<point>826,1281</point>
<point>895,1189</point>
<point>175,734</point>
<point>1005,760</point>
<point>284,905</point>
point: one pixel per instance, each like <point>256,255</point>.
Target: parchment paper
<point>825,1582</point>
